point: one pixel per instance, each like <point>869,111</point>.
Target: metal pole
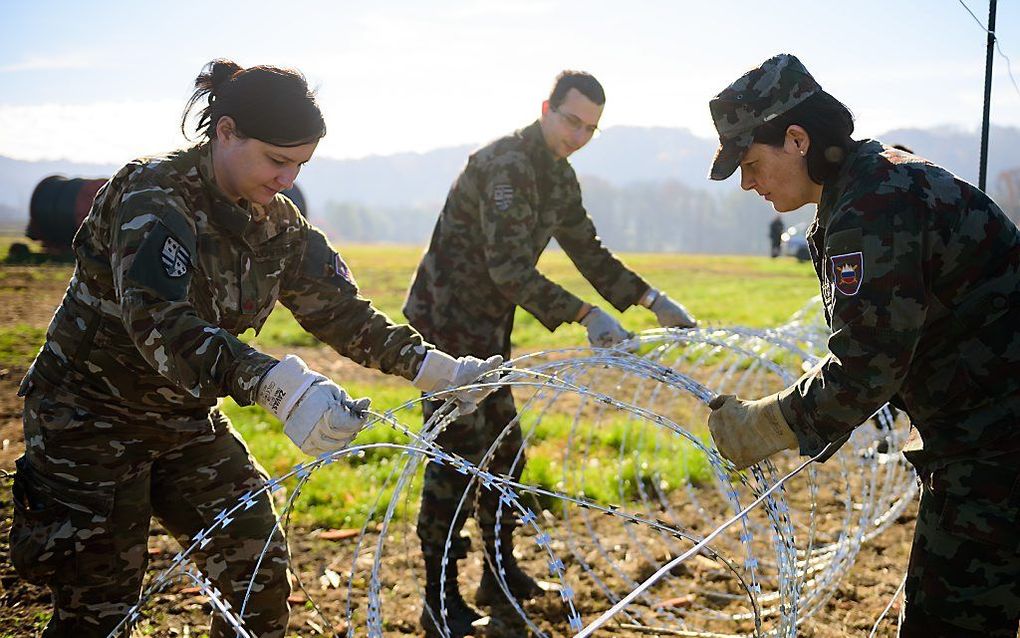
<point>983,169</point>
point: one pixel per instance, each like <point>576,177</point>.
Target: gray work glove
<point>317,414</point>
<point>746,432</point>
<point>440,371</point>
<point>671,314</point>
<point>603,330</point>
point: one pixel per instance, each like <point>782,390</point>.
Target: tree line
<point>659,216</point>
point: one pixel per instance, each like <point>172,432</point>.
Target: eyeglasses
<point>576,124</point>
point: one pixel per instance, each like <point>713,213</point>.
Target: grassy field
<point>719,290</point>
<point>722,290</point>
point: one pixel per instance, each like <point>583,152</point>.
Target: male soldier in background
<point>513,196</point>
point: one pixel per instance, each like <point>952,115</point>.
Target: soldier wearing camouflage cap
<point>511,198</point>
<point>179,255</point>
<point>920,278</point>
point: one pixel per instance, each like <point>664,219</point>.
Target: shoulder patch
<point>163,263</point>
<point>341,269</point>
<point>503,196</point>
<point>848,272</point>
<point>321,262</point>
<point>175,257</point>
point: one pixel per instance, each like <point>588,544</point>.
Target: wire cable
<point>1009,67</point>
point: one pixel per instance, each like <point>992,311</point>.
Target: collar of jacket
<point>536,148</point>
<point>833,191</point>
<point>226,213</point>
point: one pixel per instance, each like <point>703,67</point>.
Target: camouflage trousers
<point>472,436</point>
<point>964,574</point>
<point>86,489</point>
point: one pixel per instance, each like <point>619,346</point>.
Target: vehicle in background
<point>794,242</point>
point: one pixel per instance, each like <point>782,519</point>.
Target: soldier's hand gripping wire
<point>317,414</point>
<point>603,330</point>
<point>669,313</point>
<point>748,431</point>
<point>439,371</point>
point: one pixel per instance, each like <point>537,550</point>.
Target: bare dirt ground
<point>857,603</point>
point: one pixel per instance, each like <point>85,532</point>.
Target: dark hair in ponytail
<point>268,103</point>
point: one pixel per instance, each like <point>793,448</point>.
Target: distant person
<point>920,279</point>
<point>776,235</point>
<point>178,256</point>
<point>511,198</point>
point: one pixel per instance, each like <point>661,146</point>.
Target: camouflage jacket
<point>508,202</point>
<point>169,271</point>
<point>920,278</point>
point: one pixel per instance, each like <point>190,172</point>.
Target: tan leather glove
<point>317,414</point>
<point>746,432</point>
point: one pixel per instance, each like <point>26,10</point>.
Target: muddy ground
<point>321,564</point>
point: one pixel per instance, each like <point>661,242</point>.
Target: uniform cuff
<point>557,313</point>
<point>649,298</point>
<point>630,293</point>
<point>247,376</point>
<point>808,439</point>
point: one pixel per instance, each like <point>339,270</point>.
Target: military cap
<point>758,96</point>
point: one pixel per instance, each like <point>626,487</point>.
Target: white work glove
<point>603,330</point>
<point>317,414</point>
<point>746,432</point>
<point>671,314</point>
<point>440,371</point>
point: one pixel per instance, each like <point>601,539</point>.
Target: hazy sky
<point>106,81</point>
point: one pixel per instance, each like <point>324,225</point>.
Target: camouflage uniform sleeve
<point>322,294</point>
<point>152,250</point>
<point>508,221</point>
<point>873,272</point>
<point>618,284</point>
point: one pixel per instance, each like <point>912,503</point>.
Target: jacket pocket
<point>50,515</point>
<point>982,502</point>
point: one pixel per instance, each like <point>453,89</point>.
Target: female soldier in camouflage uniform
<point>179,255</point>
<point>920,278</point>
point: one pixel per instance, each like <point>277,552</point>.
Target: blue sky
<point>106,81</point>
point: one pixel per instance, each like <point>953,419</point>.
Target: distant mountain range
<point>622,158</point>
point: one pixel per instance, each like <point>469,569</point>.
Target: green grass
<point>20,343</point>
<point>281,330</point>
<point>7,240</point>
<point>619,453</point>
<point>720,290</point>
<point>343,493</point>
